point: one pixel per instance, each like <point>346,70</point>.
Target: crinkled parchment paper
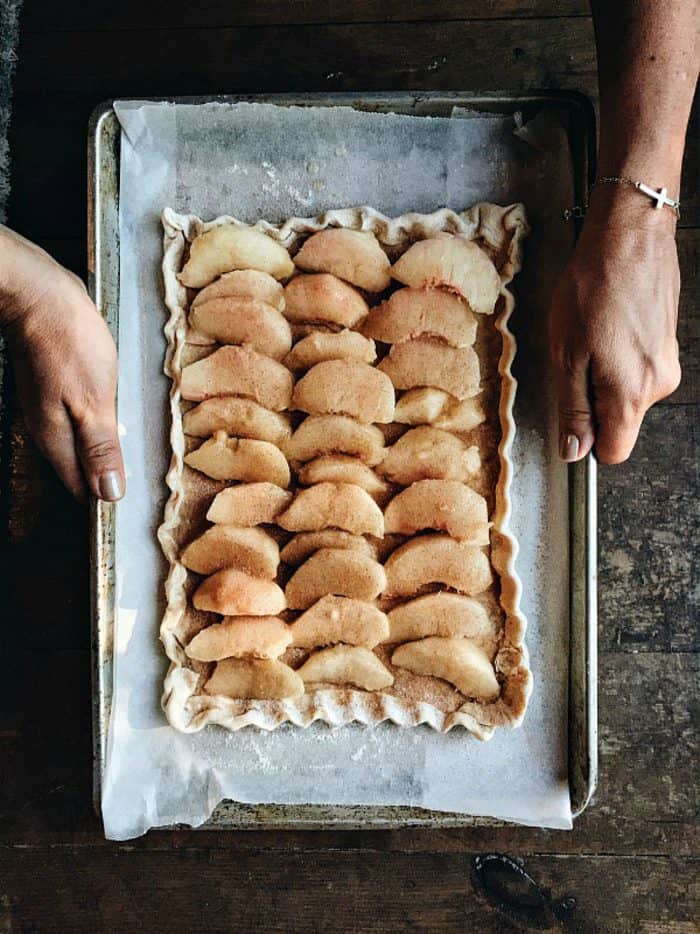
<point>260,161</point>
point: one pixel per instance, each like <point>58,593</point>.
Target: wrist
<point>621,205</point>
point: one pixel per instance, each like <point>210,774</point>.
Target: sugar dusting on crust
<point>412,699</point>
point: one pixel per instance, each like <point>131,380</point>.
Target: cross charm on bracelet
<point>660,196</point>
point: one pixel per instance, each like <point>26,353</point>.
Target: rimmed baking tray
<point>103,270</point>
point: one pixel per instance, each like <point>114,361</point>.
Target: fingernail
<point>568,448</point>
<point>110,485</point>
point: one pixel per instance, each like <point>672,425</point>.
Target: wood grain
<point>115,889</point>
<point>216,14</point>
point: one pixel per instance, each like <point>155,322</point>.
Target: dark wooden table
<point>630,859</point>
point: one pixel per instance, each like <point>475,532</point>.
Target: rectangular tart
<point>337,530</point>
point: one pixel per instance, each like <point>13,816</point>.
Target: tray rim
<point>103,283</point>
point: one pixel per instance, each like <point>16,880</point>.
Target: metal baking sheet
<point>103,265</point>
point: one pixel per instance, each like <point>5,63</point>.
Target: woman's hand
<point>613,326</point>
<point>65,365</point>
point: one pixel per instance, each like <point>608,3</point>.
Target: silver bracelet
<point>660,195</point>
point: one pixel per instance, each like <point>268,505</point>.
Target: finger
<point>618,429</point>
<point>576,431</point>
<point>100,454</point>
<point>55,439</point>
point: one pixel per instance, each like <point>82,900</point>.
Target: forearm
<point>648,57</point>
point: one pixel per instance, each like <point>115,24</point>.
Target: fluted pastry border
<point>501,230</point>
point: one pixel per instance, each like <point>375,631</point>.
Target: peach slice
<point>249,504</point>
<point>222,249</point>
<point>411,312</point>
<point>353,255</point>
<point>453,263</point>
<point>438,614</point>
<point>239,636</point>
<point>339,468</point>
<point>346,387</point>
<point>455,660</point>
<point>224,458</point>
<point>424,361</point>
<point>240,417</point>
<point>443,505</point>
<point>238,371</point>
<point>339,619</point>
<point>254,679</point>
<point>328,345</point>
<point>346,665</point>
<point>333,505</point>
<point>306,543</point>
<point>320,435</point>
<point>248,283</point>
<point>437,559</point>
<point>427,453</point>
<point>236,320</point>
<point>222,546</point>
<point>231,592</point>
<point>324,298</point>
<point>335,571</point>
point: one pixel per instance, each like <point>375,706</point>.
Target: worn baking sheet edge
<point>103,281</point>
<point>500,229</point>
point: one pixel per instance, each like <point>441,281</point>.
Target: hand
<point>613,326</point>
<point>65,366</point>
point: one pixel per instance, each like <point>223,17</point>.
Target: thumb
<point>576,430</point>
<point>100,455</point>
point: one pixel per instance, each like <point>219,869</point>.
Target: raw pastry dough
<point>407,612</point>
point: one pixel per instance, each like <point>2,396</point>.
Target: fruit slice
<point>438,614</point>
<point>319,435</point>
<point>424,361</point>
<point>346,665</point>
<point>455,660</point>
<point>333,505</point>
<point>346,387</point>
<point>453,263</point>
<point>227,247</point>
<point>339,468</point>
<point>237,320</point>
<point>234,593</point>
<point>240,636</point>
<point>306,543</point>
<point>335,571</point>
<point>411,312</point>
<point>328,345</point>
<point>339,619</point>
<point>238,371</point>
<point>249,504</point>
<point>437,559</point>
<point>443,505</point>
<point>224,458</point>
<point>430,406</point>
<point>255,679</point>
<point>248,283</point>
<point>223,546</point>
<point>427,453</point>
<point>353,255</point>
<point>240,417</point>
<point>324,298</point>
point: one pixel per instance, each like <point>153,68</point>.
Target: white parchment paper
<point>258,160</point>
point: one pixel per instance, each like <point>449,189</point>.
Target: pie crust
<point>413,699</point>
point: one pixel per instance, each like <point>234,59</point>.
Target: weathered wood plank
<point>113,889</point>
<point>648,526</point>
<point>216,14</point>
